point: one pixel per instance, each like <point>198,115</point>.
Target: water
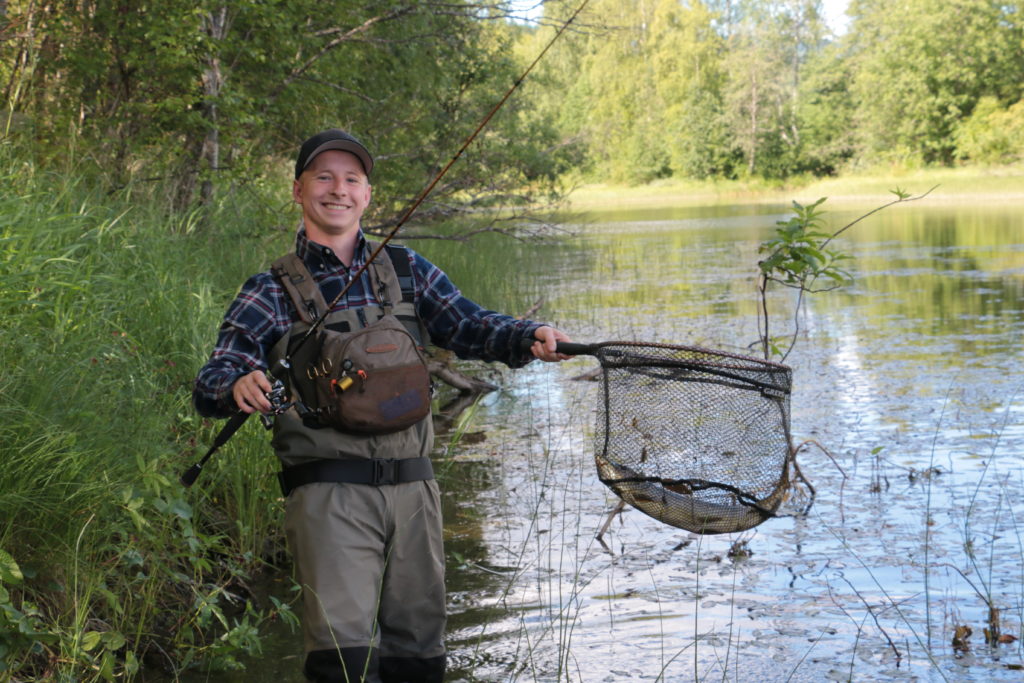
<point>908,379</point>
<point>906,388</point>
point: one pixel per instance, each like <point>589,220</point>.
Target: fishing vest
<point>341,363</point>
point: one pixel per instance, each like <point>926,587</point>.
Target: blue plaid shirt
<point>262,313</point>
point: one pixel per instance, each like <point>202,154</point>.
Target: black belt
<point>375,472</point>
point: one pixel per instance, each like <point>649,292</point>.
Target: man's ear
<point>297,192</point>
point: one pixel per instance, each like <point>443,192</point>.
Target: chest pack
<point>363,371</point>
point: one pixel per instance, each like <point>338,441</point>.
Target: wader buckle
<point>385,472</point>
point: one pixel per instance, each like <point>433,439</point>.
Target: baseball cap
<point>333,138</point>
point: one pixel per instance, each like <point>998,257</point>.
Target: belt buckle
<point>385,472</point>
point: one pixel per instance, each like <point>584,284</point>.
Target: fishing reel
<point>279,403</point>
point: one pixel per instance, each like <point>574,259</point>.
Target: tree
<point>824,113</point>
<point>992,134</point>
<point>203,95</point>
<point>920,66</point>
<point>766,54</point>
<point>689,76</point>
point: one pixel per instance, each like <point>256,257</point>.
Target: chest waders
<point>312,449</point>
<point>362,512</point>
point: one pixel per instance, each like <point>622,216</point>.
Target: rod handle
<point>192,473</point>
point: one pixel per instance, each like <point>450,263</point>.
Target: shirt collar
<point>314,252</point>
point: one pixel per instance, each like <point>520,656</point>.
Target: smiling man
<point>362,510</point>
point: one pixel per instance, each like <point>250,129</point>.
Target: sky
<point>835,12</point>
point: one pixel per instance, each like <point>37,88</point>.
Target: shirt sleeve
<point>251,327</point>
<point>464,327</point>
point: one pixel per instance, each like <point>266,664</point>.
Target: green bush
<point>992,134</point>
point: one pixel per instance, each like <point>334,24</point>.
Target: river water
<point>906,387</point>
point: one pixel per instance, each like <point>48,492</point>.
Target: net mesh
<point>697,439</point>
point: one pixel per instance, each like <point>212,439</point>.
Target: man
<point>362,513</point>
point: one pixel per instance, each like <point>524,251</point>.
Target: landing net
<point>695,438</point>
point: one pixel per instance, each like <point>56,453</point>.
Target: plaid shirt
<point>262,313</point>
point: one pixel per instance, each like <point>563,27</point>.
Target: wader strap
<point>403,269</point>
<point>375,472</point>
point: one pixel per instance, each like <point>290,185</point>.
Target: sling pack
<point>364,370</point>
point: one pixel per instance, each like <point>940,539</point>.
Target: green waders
<point>363,522</point>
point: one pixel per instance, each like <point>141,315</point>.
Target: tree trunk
<point>752,157</point>
<point>215,24</point>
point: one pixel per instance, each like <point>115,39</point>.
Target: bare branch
<point>348,35</point>
<point>900,200</point>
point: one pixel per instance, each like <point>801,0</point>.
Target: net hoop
<point>696,438</point>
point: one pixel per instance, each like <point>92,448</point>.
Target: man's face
<point>333,191</point>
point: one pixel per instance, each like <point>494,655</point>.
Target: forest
<point>188,99</point>
<point>137,138</point>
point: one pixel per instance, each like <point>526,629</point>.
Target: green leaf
<point>113,640</point>
<point>9,570</point>
<point>90,640</point>
<point>107,666</point>
<point>180,508</point>
<point>131,663</point>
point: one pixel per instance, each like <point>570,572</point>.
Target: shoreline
<point>1004,184</point>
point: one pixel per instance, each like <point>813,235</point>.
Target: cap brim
<point>344,146</point>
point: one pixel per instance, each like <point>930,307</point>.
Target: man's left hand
<point>547,338</point>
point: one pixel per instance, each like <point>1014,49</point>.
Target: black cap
<point>331,139</point>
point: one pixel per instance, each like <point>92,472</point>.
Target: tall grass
<point>106,562</point>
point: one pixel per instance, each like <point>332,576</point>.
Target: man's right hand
<point>250,392</point>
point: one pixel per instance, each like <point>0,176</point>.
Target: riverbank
<point>952,185</point>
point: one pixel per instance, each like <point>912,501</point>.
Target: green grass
<point>968,184</point>
<point>106,561</point>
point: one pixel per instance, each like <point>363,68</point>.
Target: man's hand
<point>547,338</point>
<point>250,392</point>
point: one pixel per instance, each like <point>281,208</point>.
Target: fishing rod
<point>277,393</point>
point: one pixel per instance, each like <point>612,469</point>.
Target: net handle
<point>578,349</point>
<point>568,348</point>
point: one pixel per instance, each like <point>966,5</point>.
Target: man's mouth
<point>336,207</point>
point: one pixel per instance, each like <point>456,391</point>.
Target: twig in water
<point>860,626</point>
<point>532,309</point>
<point>874,618</point>
<point>619,507</point>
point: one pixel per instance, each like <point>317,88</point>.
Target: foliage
<point>762,88</point>
<point>210,96</point>
<point>825,114</point>
<point>921,66</point>
<point>992,134</point>
<point>798,257</point>
<point>106,562</point>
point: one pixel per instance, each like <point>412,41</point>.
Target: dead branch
<point>348,35</point>
<point>457,380</point>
